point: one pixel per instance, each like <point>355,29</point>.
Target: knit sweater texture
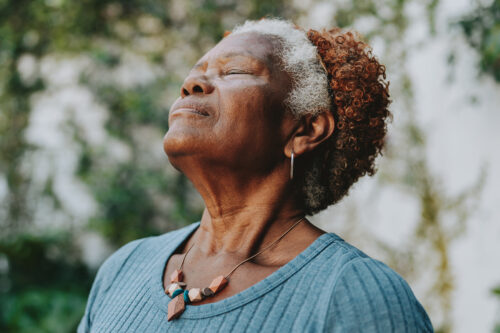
<point>331,286</point>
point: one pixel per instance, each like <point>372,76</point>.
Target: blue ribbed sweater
<point>329,287</point>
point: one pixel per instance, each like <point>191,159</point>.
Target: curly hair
<point>336,71</point>
<point>360,97</point>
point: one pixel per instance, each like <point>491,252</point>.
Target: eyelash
<point>235,71</point>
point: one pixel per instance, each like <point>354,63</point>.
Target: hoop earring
<point>291,164</point>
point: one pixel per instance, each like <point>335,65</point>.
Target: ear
<point>310,132</point>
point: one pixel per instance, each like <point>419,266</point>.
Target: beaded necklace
<point>180,296</point>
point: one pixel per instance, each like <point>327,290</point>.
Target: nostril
<point>185,92</point>
<point>197,89</point>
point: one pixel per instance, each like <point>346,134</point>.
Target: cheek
<point>243,114</point>
<point>249,123</point>
<point>246,104</point>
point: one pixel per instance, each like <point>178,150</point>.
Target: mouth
<point>190,106</point>
<point>190,110</point>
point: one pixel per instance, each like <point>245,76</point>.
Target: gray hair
<point>309,93</point>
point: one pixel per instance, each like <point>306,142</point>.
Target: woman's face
<point>231,111</point>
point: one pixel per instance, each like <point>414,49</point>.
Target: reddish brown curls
<point>360,97</point>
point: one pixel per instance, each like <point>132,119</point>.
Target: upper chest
<point>202,273</point>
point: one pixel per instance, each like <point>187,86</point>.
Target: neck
<point>245,214</point>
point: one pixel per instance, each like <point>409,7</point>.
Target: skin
<point>230,134</point>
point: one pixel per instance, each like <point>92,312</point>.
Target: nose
<point>196,84</point>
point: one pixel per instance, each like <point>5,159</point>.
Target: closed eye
<point>235,71</point>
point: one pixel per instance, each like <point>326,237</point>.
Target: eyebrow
<point>234,54</point>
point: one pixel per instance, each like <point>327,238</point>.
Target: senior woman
<point>272,124</point>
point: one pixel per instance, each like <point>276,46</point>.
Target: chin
<point>173,144</point>
<point>179,145</point>
<point>173,151</point>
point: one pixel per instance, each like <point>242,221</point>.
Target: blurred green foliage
<point>482,30</point>
<point>44,283</point>
<point>45,286</point>
<point>496,292</point>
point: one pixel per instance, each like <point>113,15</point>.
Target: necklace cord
<point>182,263</point>
<point>276,241</point>
<point>253,256</point>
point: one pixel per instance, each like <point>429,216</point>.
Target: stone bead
<point>171,288</point>
<point>207,292</point>
<point>185,295</point>
<point>218,283</point>
<point>176,276</point>
<point>182,284</point>
<point>175,308</point>
<point>177,292</point>
<point>195,295</point>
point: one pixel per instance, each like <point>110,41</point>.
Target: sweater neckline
<point>237,300</point>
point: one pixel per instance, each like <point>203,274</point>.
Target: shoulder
<point>366,295</point>
<point>126,260</point>
<point>136,252</point>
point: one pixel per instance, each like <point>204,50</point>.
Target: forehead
<point>250,44</point>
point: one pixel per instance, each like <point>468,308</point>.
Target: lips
<point>196,108</point>
<point>190,111</point>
